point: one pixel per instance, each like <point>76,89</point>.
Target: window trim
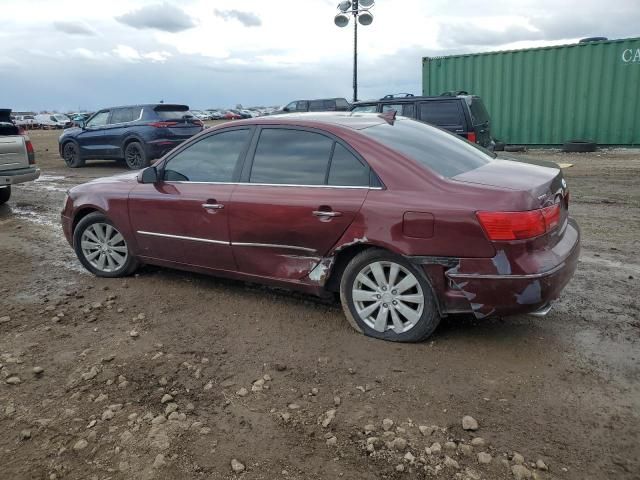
<point>185,145</point>
<point>250,156</point>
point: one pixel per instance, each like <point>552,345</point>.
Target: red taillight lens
<point>198,123</point>
<point>471,136</point>
<point>163,124</point>
<point>519,225</point>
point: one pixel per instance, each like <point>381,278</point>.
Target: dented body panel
<point>273,233</point>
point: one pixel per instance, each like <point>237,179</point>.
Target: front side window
<point>98,120</point>
<point>293,157</point>
<point>212,159</point>
<point>302,106</point>
<point>346,169</point>
<point>291,107</point>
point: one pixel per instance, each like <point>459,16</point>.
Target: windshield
<point>62,118</point>
<point>445,153</point>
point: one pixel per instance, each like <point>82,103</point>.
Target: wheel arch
<point>83,212</point>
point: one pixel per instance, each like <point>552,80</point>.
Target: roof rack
<point>397,95</point>
<point>454,93</point>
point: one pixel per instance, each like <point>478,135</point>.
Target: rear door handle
<point>323,213</point>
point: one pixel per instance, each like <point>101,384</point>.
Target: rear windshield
<point>479,113</point>
<point>172,112</point>
<point>443,152</point>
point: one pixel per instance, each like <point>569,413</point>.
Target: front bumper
<point>66,228</point>
<point>21,175</point>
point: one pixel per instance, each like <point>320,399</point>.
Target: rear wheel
<point>5,194</point>
<point>71,155</point>
<point>384,296</point>
<point>101,248</point>
<point>135,156</point>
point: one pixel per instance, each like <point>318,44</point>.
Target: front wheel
<point>71,155</point>
<point>135,156</point>
<point>101,248</point>
<point>386,297</point>
<point>5,194</point>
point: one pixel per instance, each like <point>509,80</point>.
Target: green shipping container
<point>546,96</point>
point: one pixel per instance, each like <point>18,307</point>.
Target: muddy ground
<point>562,389</point>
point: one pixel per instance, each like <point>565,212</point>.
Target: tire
<point>408,321</point>
<point>499,147</point>
<point>88,238</point>
<point>5,194</point>
<point>71,155</point>
<point>579,146</point>
<point>514,148</point>
<point>135,157</point>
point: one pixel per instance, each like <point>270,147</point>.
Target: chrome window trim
<point>180,237</point>
<point>274,185</point>
<point>220,242</point>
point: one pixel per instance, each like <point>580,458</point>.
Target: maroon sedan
<point>406,221</point>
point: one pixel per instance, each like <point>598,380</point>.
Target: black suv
<point>457,112</point>
<point>320,105</point>
<point>137,134</point>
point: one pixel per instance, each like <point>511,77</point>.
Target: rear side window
<point>346,169</point>
<point>212,159</point>
<point>479,113</point>
<point>445,153</point>
<point>124,115</point>
<point>409,110</point>
<point>293,157</point>
<point>316,105</point>
<point>441,112</point>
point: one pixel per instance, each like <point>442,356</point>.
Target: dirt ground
<point>563,389</point>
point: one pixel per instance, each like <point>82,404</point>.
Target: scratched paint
<point>502,263</point>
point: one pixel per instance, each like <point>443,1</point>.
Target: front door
<point>184,217</point>
<point>300,193</point>
<point>91,139</point>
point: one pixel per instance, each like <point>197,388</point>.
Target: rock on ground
<point>237,466</point>
<point>469,423</point>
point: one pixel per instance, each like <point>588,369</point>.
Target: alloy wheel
<point>387,296</point>
<point>104,247</point>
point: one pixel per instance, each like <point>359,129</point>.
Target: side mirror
<point>148,175</point>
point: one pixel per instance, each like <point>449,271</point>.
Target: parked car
<point>17,158</point>
<point>319,105</point>
<point>25,121</point>
<point>200,115</point>
<point>79,119</point>
<point>232,115</point>
<point>458,112</point>
<point>136,133</point>
<point>53,120</point>
<point>407,222</point>
<point>215,114</point>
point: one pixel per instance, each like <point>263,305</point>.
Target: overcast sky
<point>79,54</point>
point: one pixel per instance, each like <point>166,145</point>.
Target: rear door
<point>300,190</point>
<point>114,132</point>
<point>184,218</point>
<point>445,113</point>
<point>92,138</point>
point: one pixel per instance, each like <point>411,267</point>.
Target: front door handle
<point>323,213</point>
<point>212,205</point>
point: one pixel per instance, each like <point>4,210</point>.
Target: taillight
<point>471,136</point>
<point>163,124</point>
<point>519,225</point>
<point>31,154</point>
<point>197,122</point>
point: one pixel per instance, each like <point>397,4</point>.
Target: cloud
<point>248,19</point>
<point>73,28</point>
<point>163,17</point>
<point>457,35</point>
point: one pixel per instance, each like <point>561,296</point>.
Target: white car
<point>53,120</point>
<point>26,121</point>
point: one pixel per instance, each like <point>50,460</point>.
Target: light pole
<point>360,11</point>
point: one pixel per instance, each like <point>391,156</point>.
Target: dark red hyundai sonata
<point>407,222</point>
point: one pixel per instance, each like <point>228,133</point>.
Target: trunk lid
<point>183,123</point>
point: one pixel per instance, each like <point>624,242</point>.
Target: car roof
<point>354,121</point>
<point>413,99</point>
<point>142,105</point>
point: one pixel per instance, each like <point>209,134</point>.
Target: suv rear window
<point>479,114</point>
<point>172,113</point>
<point>443,152</point>
<point>440,112</point>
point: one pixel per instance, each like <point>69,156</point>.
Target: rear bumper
<point>21,175</point>
<point>485,292</point>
